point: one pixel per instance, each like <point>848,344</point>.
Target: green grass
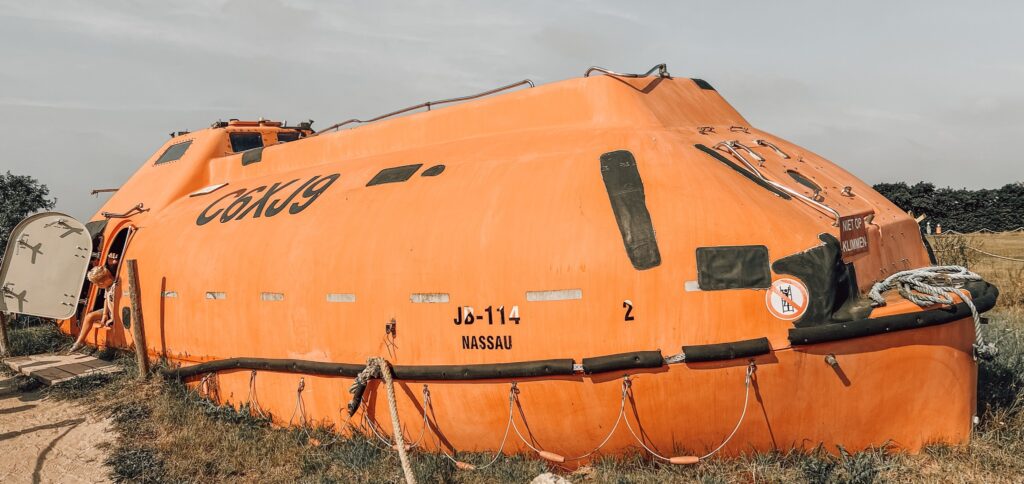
<point>36,338</point>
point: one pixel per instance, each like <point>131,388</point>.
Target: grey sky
<point>890,90</point>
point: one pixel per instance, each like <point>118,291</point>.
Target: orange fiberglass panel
<point>567,244</point>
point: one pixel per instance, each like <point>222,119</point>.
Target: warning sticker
<point>787,299</point>
<point>853,235</point>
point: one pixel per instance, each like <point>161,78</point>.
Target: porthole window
<point>803,180</point>
<point>433,171</point>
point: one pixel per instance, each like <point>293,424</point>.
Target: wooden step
<point>51,368</point>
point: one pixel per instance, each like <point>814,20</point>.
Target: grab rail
<point>759,158</point>
<point>661,68</point>
<point>778,151</point>
<point>729,147</point>
<point>131,211</point>
<point>427,105</point>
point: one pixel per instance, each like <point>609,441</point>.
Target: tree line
<point>20,196</point>
<point>960,209</point>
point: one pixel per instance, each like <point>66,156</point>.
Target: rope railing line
<point>997,256</point>
<point>427,105</point>
<point>751,368</point>
<point>975,249</point>
<point>511,425</point>
<point>979,232</point>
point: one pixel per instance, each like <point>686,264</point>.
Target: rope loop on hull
<point>928,286</point>
<point>254,404</point>
<point>377,367</point>
<point>300,407</point>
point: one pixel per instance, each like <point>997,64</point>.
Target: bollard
<point>141,352</point>
<point>5,344</point>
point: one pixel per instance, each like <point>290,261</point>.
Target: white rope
<point>928,286</point>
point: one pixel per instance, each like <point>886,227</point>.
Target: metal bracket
<point>131,211</point>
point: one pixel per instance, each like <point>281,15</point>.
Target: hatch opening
<point>117,246</point>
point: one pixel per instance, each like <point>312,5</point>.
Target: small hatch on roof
<point>173,152</point>
<point>245,141</point>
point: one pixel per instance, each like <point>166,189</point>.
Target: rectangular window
<point>733,267</point>
<point>394,175</point>
<point>286,136</point>
<point>173,152</point>
<point>245,141</point>
<point>629,204</point>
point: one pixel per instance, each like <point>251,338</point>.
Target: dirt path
<point>43,440</point>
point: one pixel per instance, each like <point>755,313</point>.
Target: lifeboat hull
<point>595,225</point>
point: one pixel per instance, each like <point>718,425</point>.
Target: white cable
<point>746,400</point>
<point>618,418</point>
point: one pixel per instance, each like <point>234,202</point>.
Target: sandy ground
<point>43,440</point>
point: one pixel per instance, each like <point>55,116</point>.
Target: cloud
<point>882,88</point>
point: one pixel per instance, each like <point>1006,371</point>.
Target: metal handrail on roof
<point>427,105</point>
<point>661,68</point>
<point>730,147</point>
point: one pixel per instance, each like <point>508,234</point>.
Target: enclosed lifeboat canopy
<point>603,248</point>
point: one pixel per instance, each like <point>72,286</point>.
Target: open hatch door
<point>44,266</point>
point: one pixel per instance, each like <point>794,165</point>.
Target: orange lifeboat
<point>598,265</point>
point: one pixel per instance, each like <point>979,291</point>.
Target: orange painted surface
<point>519,207</point>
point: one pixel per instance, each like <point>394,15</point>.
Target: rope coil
<point>929,286</point>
